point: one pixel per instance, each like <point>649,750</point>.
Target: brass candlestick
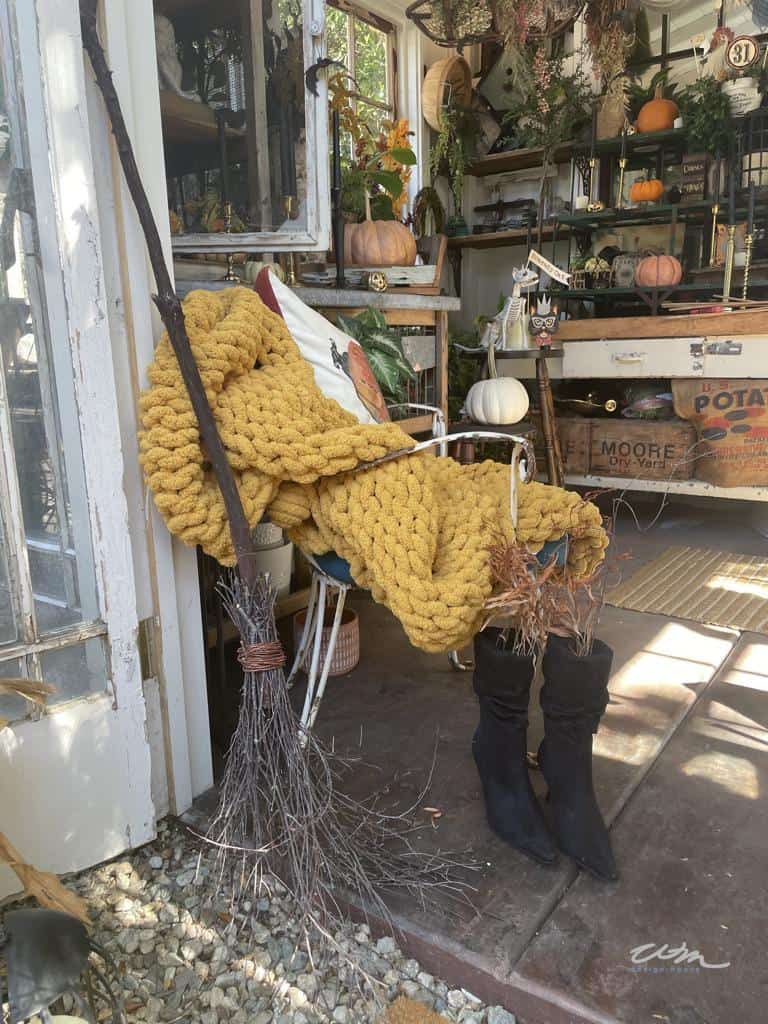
<point>620,195</point>
<point>730,250</point>
<point>289,259</point>
<point>713,241</point>
<point>594,205</point>
<point>749,241</point>
<point>230,274</point>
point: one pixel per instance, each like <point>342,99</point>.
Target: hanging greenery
<point>551,106</point>
<point>453,150</point>
<point>454,23</point>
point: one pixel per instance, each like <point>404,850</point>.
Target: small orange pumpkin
<point>646,191</point>
<point>658,272</point>
<point>658,114</point>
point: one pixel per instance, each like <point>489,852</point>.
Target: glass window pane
<point>371,61</point>
<point>75,670</point>
<point>8,631</point>
<point>12,707</point>
<point>688,19</point>
<point>232,103</point>
<point>58,534</point>
<point>374,117</point>
<point>336,37</point>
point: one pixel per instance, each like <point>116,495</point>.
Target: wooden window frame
<point>390,31</point>
<point>316,237</point>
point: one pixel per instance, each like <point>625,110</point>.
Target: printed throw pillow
<point>342,371</point>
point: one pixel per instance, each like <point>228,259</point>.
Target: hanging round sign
<point>742,52</point>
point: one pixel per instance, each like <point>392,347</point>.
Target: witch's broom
<point>280,813</point>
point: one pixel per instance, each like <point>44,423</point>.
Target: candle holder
<point>730,250</point>
<point>289,260</point>
<point>230,274</point>
<point>713,239</point>
<point>594,205</point>
<point>749,241</point>
<point>620,193</point>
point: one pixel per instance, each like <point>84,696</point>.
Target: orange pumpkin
<point>380,243</point>
<point>658,272</point>
<point>658,114</point>
<point>646,191</point>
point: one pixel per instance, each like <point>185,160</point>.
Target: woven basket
<point>347,653</point>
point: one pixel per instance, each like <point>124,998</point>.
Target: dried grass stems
<point>282,814</point>
<point>547,598</point>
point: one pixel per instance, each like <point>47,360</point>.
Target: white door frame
<point>166,570</point>
<point>76,783</point>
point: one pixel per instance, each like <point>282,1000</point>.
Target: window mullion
<point>19,579</point>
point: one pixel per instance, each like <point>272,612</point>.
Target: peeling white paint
<point>76,784</point>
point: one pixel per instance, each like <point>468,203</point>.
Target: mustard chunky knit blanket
<point>416,531</point>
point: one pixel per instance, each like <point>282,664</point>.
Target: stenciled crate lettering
<point>650,450</point>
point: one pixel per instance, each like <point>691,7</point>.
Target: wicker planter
<point>347,652</point>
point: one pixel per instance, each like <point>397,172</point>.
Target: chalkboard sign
<point>693,180</point>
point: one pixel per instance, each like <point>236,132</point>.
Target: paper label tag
<point>549,268</point>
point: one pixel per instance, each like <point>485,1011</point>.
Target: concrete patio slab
<point>692,847</point>
<point>391,708</point>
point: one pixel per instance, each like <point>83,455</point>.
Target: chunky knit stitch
<point>415,531</point>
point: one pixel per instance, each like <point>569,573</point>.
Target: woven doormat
<point>715,587</point>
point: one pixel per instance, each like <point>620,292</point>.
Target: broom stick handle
<point>166,299</point>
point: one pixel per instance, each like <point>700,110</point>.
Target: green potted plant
<point>384,349</point>
<point>706,115</point>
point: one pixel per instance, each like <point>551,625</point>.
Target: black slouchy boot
<point>502,681</point>
<point>573,698</point>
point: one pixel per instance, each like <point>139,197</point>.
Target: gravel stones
<point>184,957</point>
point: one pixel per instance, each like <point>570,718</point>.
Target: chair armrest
<point>438,419</point>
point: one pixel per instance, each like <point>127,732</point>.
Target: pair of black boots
<point>573,699</point>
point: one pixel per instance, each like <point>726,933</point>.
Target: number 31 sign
<point>742,52</point>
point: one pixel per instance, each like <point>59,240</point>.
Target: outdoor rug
<point>719,588</point>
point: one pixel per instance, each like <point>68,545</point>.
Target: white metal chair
<point>330,574</point>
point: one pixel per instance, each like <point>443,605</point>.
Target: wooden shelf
<point>498,239</point>
<point>186,120</point>
<point>517,160</point>
<point>653,213</point>
<point>681,326</point>
<point>671,136</point>
<point>692,487</point>
<point>416,424</point>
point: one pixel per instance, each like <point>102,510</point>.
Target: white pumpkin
<point>496,401</point>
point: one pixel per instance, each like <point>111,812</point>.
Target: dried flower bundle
<point>546,598</point>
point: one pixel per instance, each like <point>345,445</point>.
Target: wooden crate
<point>645,449</point>
<point>574,434</point>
